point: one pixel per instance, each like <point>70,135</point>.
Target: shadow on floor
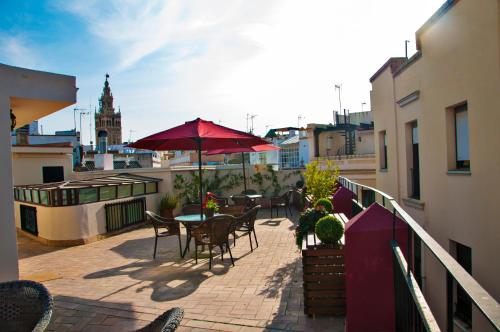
<point>27,247</point>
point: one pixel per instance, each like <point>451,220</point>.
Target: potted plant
<point>323,266</point>
<point>211,208</point>
<point>167,205</point>
<point>323,204</point>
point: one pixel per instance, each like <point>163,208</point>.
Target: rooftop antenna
<point>299,117</point>
<point>406,48</point>
<point>339,87</point>
<point>362,104</point>
<point>130,135</point>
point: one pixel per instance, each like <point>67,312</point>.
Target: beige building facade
<point>436,139</point>
<point>25,95</point>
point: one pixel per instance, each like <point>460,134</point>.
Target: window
<point>53,174</point>
<point>106,193</point>
<point>462,138</point>
<point>28,219</point>
<point>87,195</point>
<point>383,149</point>
<point>150,187</point>
<point>367,197</point>
<point>44,197</point>
<point>124,190</point>
<point>289,157</point>
<point>463,303</point>
<point>138,189</point>
<point>415,165</point>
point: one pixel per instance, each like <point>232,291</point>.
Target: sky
<point>175,60</point>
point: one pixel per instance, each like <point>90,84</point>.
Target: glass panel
<point>150,187</point>
<point>44,197</point>
<point>414,134</point>
<point>88,195</point>
<point>124,190</point>
<point>64,197</point>
<point>462,132</point>
<point>138,189</point>
<point>21,194</point>
<point>27,195</point>
<point>34,195</point>
<point>107,193</point>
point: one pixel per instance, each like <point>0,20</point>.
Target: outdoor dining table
<point>190,221</point>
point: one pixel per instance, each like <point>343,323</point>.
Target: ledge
<point>458,172</point>
<point>414,203</point>
<point>383,170</point>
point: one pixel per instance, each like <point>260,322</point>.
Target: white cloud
<point>15,51</point>
<point>221,59</point>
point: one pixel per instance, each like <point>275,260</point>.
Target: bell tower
<point>108,123</point>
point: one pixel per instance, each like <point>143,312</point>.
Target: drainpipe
<point>398,189</point>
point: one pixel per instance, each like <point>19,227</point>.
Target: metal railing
<point>412,311</point>
<point>122,214</point>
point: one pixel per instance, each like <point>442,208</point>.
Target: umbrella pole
<point>244,174</point>
<point>201,180</point>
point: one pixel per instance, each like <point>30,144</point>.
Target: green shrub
<point>320,181</point>
<point>329,229</point>
<point>325,203</point>
<point>212,205</point>
<point>307,221</point>
<point>169,202</point>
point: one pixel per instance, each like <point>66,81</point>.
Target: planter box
<point>324,276</point>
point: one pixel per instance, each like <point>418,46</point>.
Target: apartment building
<point>436,119</point>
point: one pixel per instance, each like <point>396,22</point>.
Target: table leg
<point>188,241</point>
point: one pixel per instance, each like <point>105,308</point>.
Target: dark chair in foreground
<point>24,306</point>
<point>214,232</point>
<point>234,210</point>
<point>246,224</point>
<point>282,202</point>
<point>243,200</point>
<point>166,322</point>
<point>164,227</point>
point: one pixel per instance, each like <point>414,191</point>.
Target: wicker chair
<point>164,227</point>
<point>283,202</point>
<point>243,200</point>
<point>246,224</point>
<point>221,201</point>
<point>214,232</point>
<point>24,306</point>
<point>166,322</point>
<point>234,210</point>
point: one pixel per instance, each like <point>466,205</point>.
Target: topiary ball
<point>329,229</point>
<point>326,203</point>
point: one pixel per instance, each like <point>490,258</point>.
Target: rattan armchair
<point>246,224</point>
<point>164,227</point>
<point>234,210</point>
<point>166,322</point>
<point>24,306</point>
<point>282,202</point>
<point>243,200</point>
<point>214,232</point>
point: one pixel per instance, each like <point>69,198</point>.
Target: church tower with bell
<point>108,123</point>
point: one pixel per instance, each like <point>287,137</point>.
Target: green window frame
<point>87,195</point>
<point>124,190</point>
<point>106,193</point>
<point>138,189</point>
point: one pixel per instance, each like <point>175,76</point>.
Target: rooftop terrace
<point>115,285</point>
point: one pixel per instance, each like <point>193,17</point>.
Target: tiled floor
<point>115,285</point>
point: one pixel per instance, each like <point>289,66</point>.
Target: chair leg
<point>286,213</point>
<point>250,237</point>
<point>196,253</point>
<point>290,209</point>
<point>234,238</point>
<point>230,254</point>
<point>180,244</point>
<point>221,253</point>
<point>271,212</point>
<point>156,243</point>
<point>210,259</point>
<point>255,236</point>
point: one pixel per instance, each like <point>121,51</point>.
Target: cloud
<point>14,51</point>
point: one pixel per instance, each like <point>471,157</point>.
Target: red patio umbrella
<point>199,135</point>
<point>255,148</point>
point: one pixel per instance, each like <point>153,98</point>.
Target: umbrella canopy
<point>255,148</point>
<point>186,137</point>
<point>198,135</point>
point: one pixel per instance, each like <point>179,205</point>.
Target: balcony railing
<point>412,310</point>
